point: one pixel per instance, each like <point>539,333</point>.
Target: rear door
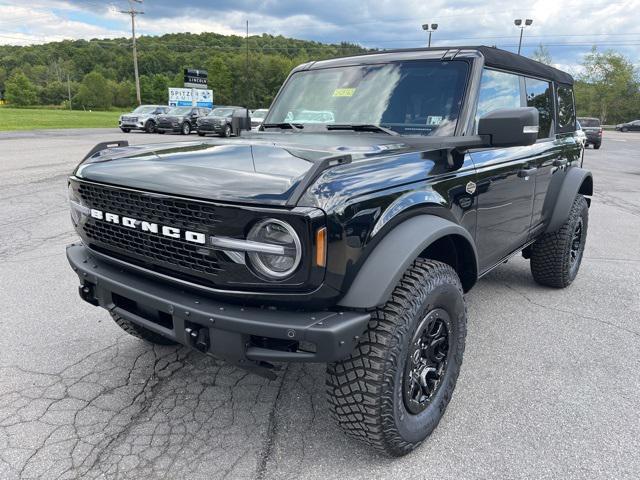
<point>505,177</point>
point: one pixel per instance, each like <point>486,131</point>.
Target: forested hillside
<point>100,72</point>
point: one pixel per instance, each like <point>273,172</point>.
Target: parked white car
<point>580,135</point>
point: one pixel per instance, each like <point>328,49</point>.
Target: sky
<point>568,28</point>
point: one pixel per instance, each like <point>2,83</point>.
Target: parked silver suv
<point>142,118</point>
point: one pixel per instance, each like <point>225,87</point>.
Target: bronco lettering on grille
<point>150,227</point>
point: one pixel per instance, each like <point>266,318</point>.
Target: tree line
<point>98,74</point>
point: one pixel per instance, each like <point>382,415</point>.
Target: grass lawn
<point>31,119</point>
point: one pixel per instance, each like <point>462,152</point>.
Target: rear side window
<point>539,96</point>
<point>497,90</point>
<point>589,122</point>
<point>566,110</point>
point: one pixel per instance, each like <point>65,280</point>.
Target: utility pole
<point>246,74</point>
<point>133,12</point>
<point>69,90</point>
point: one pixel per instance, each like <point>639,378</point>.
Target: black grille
<point>150,249</point>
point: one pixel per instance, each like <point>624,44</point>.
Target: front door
<point>505,191</point>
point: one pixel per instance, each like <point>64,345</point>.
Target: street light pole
<point>430,29</point>
<point>518,23</point>
<point>133,14</point>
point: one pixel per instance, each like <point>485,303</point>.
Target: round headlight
<point>281,234</point>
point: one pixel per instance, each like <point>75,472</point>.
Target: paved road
<point>549,387</point>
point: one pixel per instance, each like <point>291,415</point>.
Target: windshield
<point>589,122</point>
<point>145,109</point>
<point>179,111</point>
<point>412,97</point>
<point>259,114</point>
<point>221,112</point>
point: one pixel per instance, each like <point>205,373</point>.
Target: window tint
<point>589,122</point>
<point>566,110</point>
<point>539,96</point>
<point>497,90</point>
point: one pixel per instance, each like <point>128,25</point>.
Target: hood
<point>256,169</point>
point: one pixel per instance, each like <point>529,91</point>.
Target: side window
<point>498,90</point>
<point>539,96</point>
<point>566,110</point>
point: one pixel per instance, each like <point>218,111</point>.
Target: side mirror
<point>240,120</point>
<point>510,127</point>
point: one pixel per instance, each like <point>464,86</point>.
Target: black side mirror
<point>510,127</point>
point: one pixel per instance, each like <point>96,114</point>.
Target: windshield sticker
<point>434,120</point>
<point>344,92</point>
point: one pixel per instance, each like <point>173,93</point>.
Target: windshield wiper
<point>292,126</point>
<point>359,127</point>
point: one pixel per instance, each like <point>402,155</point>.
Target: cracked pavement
<point>548,388</point>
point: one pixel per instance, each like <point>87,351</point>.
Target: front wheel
<point>126,130</point>
<point>556,256</point>
<point>227,131</point>
<point>624,129</point>
<point>596,146</point>
<point>201,134</point>
<point>150,127</point>
<point>186,128</point>
<point>395,387</point>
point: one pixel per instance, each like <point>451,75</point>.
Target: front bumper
<point>208,128</point>
<point>240,335</point>
<point>169,127</point>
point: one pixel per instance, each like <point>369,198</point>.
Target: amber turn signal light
<point>321,247</point>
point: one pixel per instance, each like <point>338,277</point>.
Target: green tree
<point>54,93</point>
<point>124,94</point>
<point>542,55</point>
<point>94,92</point>
<point>609,87</point>
<point>19,91</point>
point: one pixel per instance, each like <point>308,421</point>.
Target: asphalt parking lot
<point>548,389</point>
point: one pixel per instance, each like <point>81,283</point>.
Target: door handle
<point>526,172</point>
<point>560,162</point>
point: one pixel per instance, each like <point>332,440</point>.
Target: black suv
<point>379,190</point>
<point>592,130</point>
<point>220,121</point>
<point>181,119</point>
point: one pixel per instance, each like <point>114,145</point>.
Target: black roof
<point>495,57</point>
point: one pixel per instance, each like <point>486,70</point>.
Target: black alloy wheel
<point>427,361</point>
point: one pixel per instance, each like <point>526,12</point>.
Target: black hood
<point>259,168</point>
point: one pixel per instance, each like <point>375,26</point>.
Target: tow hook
<point>87,293</point>
<point>198,338</point>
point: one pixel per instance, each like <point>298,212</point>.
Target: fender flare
<point>386,264</point>
<point>577,180</point>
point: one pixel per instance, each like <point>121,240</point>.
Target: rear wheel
<point>556,256</point>
<point>141,332</point>
<point>596,146</point>
<point>395,387</point>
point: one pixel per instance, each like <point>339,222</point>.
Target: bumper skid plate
<point>246,336</point>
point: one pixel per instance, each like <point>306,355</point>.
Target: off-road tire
<point>150,126</point>
<point>365,391</point>
<point>126,130</point>
<point>551,263</point>
<point>141,332</point>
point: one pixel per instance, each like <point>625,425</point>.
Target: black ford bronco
<point>378,190</point>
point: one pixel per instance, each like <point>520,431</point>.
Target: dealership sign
<point>183,97</point>
<point>195,78</point>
